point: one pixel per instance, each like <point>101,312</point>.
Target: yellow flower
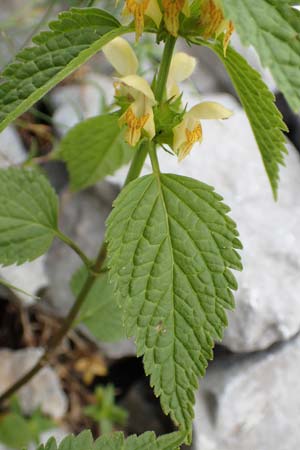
<point>139,115</point>
<point>172,9</point>
<point>139,9</point>
<point>189,131</point>
<point>214,23</point>
<point>181,68</point>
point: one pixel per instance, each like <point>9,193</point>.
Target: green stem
<point>137,162</point>
<point>154,159</point>
<point>74,247</point>
<point>163,73</point>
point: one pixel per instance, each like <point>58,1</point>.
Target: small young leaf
<point>116,441</point>
<point>28,215</point>
<point>170,247</point>
<point>17,431</point>
<point>273,28</point>
<point>100,312</point>
<point>258,102</point>
<point>93,149</point>
<point>74,38</point>
<point>105,411</point>
<point>14,431</point>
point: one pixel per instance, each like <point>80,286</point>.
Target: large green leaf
<point>258,102</point>
<point>74,38</point>
<point>116,441</point>
<point>170,246</point>
<point>93,149</point>
<point>100,312</point>
<point>28,215</point>
<point>273,28</point>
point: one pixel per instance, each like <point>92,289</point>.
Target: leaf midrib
<point>177,384</point>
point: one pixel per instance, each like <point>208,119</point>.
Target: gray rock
<point>30,277</point>
<point>57,433</point>
<point>118,350</point>
<point>268,306</point>
<point>43,391</point>
<point>250,403</point>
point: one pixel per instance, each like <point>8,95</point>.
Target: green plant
<point>18,431</point>
<point>105,412</point>
<point>170,244</point>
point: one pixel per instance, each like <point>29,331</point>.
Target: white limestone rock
<point>43,391</point>
<point>250,403</point>
<point>12,150</point>
<point>268,304</point>
<point>30,277</point>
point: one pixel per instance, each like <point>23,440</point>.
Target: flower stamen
<point>192,136</point>
<point>138,9</point>
<point>135,125</point>
<point>172,9</point>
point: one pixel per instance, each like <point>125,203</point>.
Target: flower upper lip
<point>139,114</point>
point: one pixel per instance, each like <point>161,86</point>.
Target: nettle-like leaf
<point>93,149</point>
<point>273,28</point>
<point>116,441</point>
<point>258,102</point>
<point>100,312</point>
<point>74,38</point>
<point>28,215</point>
<point>171,246</point>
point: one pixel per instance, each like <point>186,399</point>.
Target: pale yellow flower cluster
<point>138,118</point>
<point>211,17</point>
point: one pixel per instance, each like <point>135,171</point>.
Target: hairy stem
<point>164,68</point>
<point>64,238</point>
<point>137,163</point>
<point>154,159</point>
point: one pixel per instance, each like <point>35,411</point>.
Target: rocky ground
<point>250,397</point>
